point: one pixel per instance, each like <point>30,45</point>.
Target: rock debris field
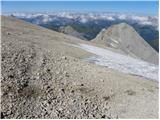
<point>44,77</point>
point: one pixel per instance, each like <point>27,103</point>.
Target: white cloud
<point>85,17</point>
<point>83,20</point>
<point>139,18</point>
<point>110,18</point>
<point>122,17</point>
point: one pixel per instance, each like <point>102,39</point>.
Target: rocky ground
<point>44,77</point>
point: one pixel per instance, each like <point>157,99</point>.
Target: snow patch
<point>121,62</point>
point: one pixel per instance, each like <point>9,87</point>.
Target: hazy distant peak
<point>71,31</point>
<point>66,29</point>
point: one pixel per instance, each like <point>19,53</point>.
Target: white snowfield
<point>121,62</point>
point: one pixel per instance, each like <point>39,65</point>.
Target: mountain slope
<point>70,31</point>
<point>125,38</point>
<point>43,76</point>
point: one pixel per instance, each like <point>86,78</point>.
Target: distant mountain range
<point>88,25</point>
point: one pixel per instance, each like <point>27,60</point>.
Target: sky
<point>138,7</point>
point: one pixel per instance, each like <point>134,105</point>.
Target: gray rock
<point>123,37</point>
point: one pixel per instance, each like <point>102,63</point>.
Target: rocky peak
<point>66,29</point>
<point>71,31</point>
<point>123,37</point>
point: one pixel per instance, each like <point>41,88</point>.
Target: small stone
<point>82,84</point>
<point>45,103</point>
<point>49,102</point>
<point>63,90</point>
<point>64,57</point>
<point>48,70</point>
<point>106,98</point>
<point>101,80</point>
<point>8,33</point>
<point>103,116</point>
<point>75,60</point>
<point>72,91</point>
<point>2,115</point>
<point>57,72</point>
<point>11,76</point>
<point>66,74</point>
<point>130,92</point>
<point>38,73</point>
<point>60,109</point>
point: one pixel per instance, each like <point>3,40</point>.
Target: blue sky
<point>139,7</point>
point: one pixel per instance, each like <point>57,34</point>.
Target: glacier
<point>125,64</point>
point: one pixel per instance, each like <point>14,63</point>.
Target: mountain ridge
<point>123,36</point>
<point>146,26</point>
<point>70,31</point>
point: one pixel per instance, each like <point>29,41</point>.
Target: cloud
<point>86,17</point>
